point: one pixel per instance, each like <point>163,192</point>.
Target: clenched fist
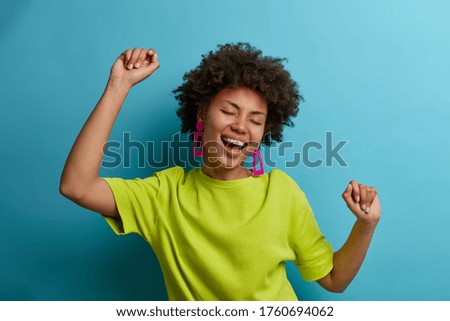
<point>363,201</point>
<point>133,66</point>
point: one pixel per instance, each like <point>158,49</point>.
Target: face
<point>233,128</point>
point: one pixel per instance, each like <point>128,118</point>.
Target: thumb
<point>153,58</point>
<point>347,195</point>
<point>119,60</point>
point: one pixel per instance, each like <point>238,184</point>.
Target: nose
<point>239,127</point>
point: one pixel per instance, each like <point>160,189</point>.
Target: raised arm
<point>79,180</point>
<point>363,202</point>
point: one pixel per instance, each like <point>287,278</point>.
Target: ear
<point>200,113</point>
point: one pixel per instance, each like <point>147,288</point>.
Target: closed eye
<point>256,123</point>
<point>227,112</point>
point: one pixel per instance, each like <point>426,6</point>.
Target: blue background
<point>375,74</point>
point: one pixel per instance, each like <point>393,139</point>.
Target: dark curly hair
<point>232,66</point>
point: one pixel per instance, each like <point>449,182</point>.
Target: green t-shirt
<point>223,240</point>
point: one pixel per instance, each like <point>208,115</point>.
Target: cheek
<point>258,134</point>
<point>215,126</point>
<point>211,132</point>
<point>265,132</point>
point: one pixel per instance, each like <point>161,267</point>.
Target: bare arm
<point>348,260</point>
<point>79,179</point>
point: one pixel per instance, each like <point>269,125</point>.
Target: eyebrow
<point>255,112</point>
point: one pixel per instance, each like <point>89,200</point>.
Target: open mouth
<point>233,143</point>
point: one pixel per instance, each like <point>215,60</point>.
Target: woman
<point>222,231</point>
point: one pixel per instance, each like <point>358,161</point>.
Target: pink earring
<point>198,139</point>
<point>257,154</point>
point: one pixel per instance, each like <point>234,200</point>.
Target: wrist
<point>367,225</point>
<point>118,84</point>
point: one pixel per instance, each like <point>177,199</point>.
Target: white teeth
<point>234,141</point>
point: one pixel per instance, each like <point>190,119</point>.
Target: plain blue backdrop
<point>375,74</point>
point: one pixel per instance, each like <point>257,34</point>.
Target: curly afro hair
<point>236,65</point>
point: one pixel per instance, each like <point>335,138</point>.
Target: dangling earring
<point>257,172</point>
<point>198,139</point>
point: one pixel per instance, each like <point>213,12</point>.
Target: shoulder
<point>172,173</point>
<point>285,184</point>
<point>280,177</point>
<point>165,177</point>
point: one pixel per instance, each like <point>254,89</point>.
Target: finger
<point>370,196</point>
<point>134,57</point>
<point>347,196</point>
<point>363,194</point>
<point>348,191</point>
<point>349,200</point>
<point>141,58</point>
<point>148,59</point>
<point>127,54</point>
<point>371,193</point>
<point>153,57</point>
<point>356,193</point>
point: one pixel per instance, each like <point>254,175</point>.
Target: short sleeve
<point>314,254</point>
<point>137,203</point>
